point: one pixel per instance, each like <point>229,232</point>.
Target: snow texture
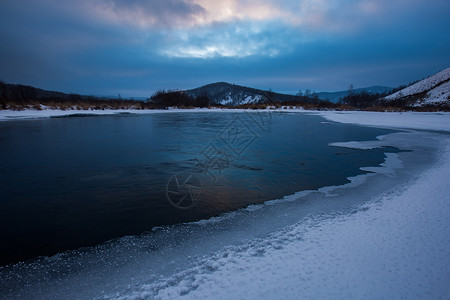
<point>439,93</point>
<point>437,87</point>
<point>229,100</point>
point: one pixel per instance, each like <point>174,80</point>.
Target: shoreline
<point>435,121</point>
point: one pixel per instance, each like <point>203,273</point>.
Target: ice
<point>356,145</point>
<point>408,120</point>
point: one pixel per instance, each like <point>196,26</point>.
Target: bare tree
<point>3,94</point>
<point>307,93</point>
<point>27,93</point>
<point>351,91</point>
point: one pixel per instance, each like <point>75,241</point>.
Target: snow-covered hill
<point>234,95</point>
<point>434,90</point>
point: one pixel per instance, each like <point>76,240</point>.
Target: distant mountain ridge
<point>18,97</point>
<point>433,90</point>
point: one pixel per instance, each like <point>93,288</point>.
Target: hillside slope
<point>433,90</point>
<point>234,95</point>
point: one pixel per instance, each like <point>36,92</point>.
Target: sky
<point>134,48</point>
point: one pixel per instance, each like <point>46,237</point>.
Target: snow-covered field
<point>395,245</point>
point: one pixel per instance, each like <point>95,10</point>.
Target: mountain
<point>25,92</point>
<point>335,96</point>
<point>234,95</point>
<point>19,97</point>
<point>433,90</point>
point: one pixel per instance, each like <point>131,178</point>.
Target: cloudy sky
<point>135,47</point>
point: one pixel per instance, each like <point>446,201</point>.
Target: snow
<point>226,101</point>
<point>251,99</point>
<point>439,94</point>
<point>240,100</point>
<point>438,80</point>
<point>395,246</point>
<point>406,120</point>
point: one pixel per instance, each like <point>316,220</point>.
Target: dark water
<point>79,181</point>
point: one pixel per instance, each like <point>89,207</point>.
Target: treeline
<point>19,97</point>
<point>306,102</point>
<point>181,99</point>
<point>366,101</point>
<point>363,100</point>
